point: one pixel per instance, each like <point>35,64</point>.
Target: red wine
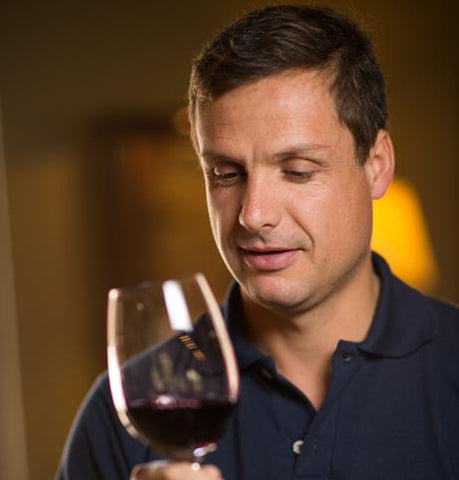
<point>179,423</point>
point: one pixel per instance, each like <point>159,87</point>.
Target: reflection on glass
<point>172,369</point>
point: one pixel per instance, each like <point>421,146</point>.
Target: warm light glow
<point>400,234</point>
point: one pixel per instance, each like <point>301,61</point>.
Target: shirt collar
<point>233,312</point>
<point>402,322</point>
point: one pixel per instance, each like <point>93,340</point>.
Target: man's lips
<point>268,259</point>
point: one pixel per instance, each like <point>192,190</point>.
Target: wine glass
<point>172,370</point>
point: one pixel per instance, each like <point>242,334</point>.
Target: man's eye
<point>224,175</point>
<point>298,175</point>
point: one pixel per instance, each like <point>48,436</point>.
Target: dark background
<point>103,192</point>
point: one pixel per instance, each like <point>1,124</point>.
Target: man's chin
<point>277,296</point>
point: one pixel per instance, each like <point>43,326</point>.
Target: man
<point>346,372</point>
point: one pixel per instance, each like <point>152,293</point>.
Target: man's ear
<point>380,164</point>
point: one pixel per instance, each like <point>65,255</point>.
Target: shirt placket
<point>315,451</point>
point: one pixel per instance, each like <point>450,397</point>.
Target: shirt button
<point>347,356</point>
<point>296,447</point>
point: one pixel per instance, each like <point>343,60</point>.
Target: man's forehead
<point>324,78</point>
<point>283,100</point>
<point>309,127</point>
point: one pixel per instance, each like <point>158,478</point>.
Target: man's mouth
<point>268,259</point>
<point>265,251</point>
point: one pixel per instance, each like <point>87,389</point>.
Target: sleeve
<point>98,446</point>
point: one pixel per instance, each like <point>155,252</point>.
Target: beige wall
<point>68,74</point>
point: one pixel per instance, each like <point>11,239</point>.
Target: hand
<point>163,470</point>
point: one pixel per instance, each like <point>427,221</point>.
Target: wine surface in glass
<point>182,424</point>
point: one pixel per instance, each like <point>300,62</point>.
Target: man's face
<point>289,206</point>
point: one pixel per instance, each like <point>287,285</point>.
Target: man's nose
<point>260,208</point>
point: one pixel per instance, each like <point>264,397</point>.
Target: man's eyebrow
<point>210,155</point>
<point>308,151</point>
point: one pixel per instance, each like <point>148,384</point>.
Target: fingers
<point>163,470</point>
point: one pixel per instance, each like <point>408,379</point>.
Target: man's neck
<point>302,344</point>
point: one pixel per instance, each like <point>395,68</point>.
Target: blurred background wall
<point>100,189</point>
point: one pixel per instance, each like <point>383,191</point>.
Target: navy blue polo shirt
<point>391,412</point>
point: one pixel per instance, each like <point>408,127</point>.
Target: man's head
<point>291,162</point>
<point>279,38</point>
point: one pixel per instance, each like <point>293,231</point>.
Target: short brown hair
<point>278,38</point>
